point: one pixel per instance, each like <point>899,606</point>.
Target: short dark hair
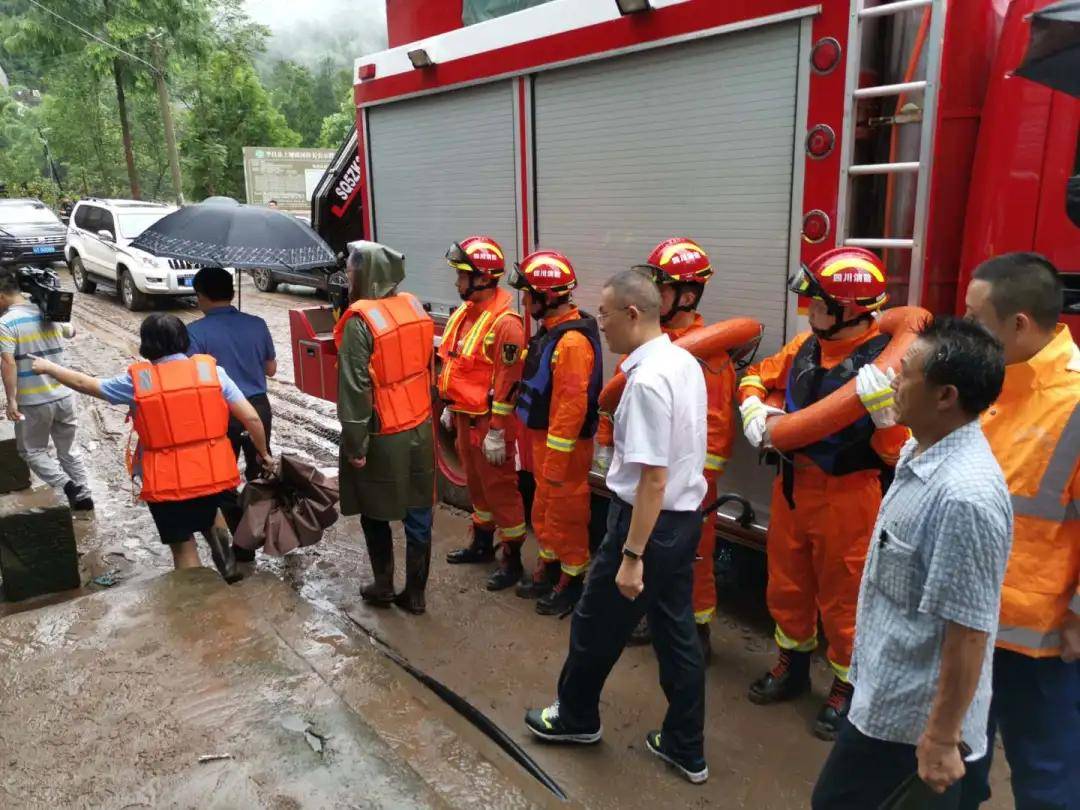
<point>1024,282</point>
<point>215,283</point>
<point>162,334</point>
<point>965,355</point>
<point>9,283</point>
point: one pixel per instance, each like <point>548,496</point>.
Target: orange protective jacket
<point>481,358</point>
<point>571,367</point>
<point>720,390</point>
<point>400,365</point>
<point>771,374</point>
<point>1034,430</point>
<point>182,420</point>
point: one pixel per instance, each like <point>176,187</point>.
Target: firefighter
<point>385,341</point>
<point>481,367</point>
<point>557,403</point>
<point>1034,430</point>
<point>825,499</point>
<point>681,268</point>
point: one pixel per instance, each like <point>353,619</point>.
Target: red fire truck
<point>768,130</point>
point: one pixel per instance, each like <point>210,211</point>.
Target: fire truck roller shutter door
<point>442,167</point>
<point>711,159</point>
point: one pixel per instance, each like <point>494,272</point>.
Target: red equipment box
<point>314,353</point>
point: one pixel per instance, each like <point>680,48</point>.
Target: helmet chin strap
<point>837,311</point>
<point>540,306</point>
<point>475,288</point>
<point>676,308</point>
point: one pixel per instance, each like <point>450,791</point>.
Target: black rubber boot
<point>641,634</point>
<point>83,504</point>
<point>834,711</point>
<point>540,584</point>
<point>417,565</point>
<point>705,637</point>
<point>480,550</point>
<point>563,598</point>
<point>788,679</point>
<point>510,568</point>
<point>221,553</point>
<point>381,553</point>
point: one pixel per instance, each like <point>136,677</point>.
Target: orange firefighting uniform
<point>1034,430</point>
<point>481,355</point>
<point>182,420</point>
<point>561,459</point>
<point>817,550</point>
<point>720,388</point>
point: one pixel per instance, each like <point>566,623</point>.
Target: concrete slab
<point>14,474</point>
<point>37,544</point>
<point>110,700</point>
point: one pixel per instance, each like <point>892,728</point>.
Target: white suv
<point>98,250</point>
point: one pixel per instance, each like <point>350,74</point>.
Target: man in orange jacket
<point>826,499</point>
<point>481,367</point>
<point>681,268</point>
<point>557,403</point>
<point>1034,431</point>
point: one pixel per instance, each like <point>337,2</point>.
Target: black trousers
<point>862,772</point>
<point>604,618</point>
<point>230,507</point>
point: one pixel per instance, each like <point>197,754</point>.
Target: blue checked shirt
<point>937,555</point>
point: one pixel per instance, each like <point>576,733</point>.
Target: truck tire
<point>133,298</point>
<point>82,281</point>
<point>263,280</point>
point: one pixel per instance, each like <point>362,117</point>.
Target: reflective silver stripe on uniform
<point>416,305</point>
<point>1046,503</point>
<point>145,379</point>
<point>378,320</point>
<point>206,373</point>
<point>1028,638</point>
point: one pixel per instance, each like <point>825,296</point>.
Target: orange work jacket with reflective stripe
<point>772,373</point>
<point>720,395</point>
<point>481,358</point>
<point>182,420</point>
<point>403,338</point>
<point>1034,430</point>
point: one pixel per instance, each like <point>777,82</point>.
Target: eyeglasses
<point>603,316</point>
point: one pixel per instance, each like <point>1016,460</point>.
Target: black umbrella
<point>245,237</point>
<point>1053,54</point>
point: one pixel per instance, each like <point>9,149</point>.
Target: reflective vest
<point>534,393</point>
<point>465,380</point>
<point>182,420</point>
<point>847,450</point>
<point>1034,431</point>
<point>400,364</point>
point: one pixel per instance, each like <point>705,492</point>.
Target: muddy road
<point>492,649</point>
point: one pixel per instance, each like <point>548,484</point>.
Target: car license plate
<point>44,249</point>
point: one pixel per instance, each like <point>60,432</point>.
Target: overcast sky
<point>308,30</point>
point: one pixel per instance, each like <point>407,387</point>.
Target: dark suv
<point>30,233</point>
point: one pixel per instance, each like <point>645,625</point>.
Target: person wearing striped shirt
<point>42,409</point>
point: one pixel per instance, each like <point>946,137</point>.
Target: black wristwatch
<point>630,554</point>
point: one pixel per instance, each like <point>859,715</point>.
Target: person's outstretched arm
<point>75,380</point>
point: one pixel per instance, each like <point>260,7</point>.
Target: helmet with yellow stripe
<point>844,277</point>
<point>546,274</point>
<point>477,254</point>
<point>679,261</point>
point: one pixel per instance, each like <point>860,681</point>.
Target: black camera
<point>43,287</point>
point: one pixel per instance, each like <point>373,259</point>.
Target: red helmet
<point>477,254</point>
<point>847,276</point>
<point>546,273</point>
<point>679,260</point>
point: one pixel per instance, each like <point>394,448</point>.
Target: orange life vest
<point>466,377</point>
<point>182,420</point>
<point>400,365</point>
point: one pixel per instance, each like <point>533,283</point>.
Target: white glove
<point>495,448</point>
<point>754,413</point>
<point>446,419</point>
<point>601,462</point>
<point>874,388</point>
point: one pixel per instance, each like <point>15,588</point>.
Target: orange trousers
<point>705,564</point>
<point>816,555</point>
<point>493,490</point>
<point>560,514</point>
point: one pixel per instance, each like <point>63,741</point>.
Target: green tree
<point>231,110</point>
<point>293,91</point>
<point>336,127</point>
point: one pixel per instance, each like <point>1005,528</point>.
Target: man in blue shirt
<point>242,345</point>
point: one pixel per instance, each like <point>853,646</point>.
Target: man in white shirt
<point>645,564</point>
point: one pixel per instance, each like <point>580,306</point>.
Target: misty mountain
<point>307,31</point>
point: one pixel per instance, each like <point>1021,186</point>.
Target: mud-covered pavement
<point>492,649</point>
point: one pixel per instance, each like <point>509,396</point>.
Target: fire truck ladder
<point>928,87</point>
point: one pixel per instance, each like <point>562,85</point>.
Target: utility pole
<point>166,116</point>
